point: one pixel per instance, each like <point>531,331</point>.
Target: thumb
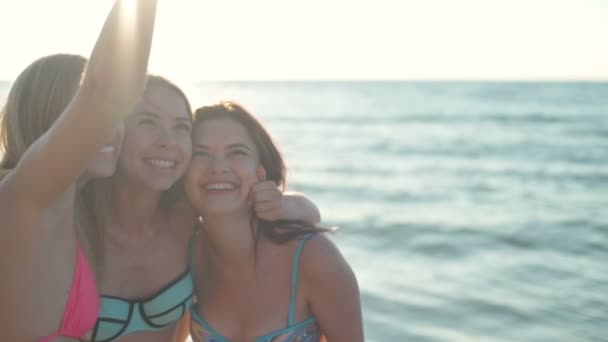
<point>261,173</point>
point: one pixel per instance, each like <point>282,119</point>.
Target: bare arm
<point>333,292</point>
<point>114,80</point>
<point>296,206</point>
<point>271,204</point>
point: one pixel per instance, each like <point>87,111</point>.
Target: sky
<point>198,40</point>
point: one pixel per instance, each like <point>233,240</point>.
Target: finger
<point>261,186</point>
<point>267,195</point>
<point>269,215</point>
<point>251,197</point>
<point>263,207</point>
<point>261,173</point>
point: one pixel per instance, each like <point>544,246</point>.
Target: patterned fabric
<point>306,331</point>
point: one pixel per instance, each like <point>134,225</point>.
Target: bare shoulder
<point>331,290</point>
<point>20,216</point>
<point>321,259</point>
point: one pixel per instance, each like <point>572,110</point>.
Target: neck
<point>229,241</point>
<point>133,208</point>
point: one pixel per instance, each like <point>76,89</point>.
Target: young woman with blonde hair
<point>54,127</point>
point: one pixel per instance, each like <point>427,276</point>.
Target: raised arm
<point>113,81</point>
<point>333,292</point>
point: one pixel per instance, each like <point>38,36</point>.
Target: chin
<point>161,186</point>
<point>219,209</point>
<point>101,171</point>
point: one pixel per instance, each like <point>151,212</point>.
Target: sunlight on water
<point>468,211</point>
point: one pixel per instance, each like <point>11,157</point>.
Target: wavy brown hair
<point>279,231</point>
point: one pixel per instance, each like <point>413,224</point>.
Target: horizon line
<point>397,80</point>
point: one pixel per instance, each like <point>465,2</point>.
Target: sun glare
<point>403,39</point>
<point>129,7</point>
<point>128,11</point>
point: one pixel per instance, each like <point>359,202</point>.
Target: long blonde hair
<point>95,198</point>
<point>36,99</point>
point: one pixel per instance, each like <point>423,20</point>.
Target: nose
<point>219,165</point>
<point>166,138</point>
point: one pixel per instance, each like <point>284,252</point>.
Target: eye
<point>200,154</point>
<point>146,122</point>
<point>183,127</point>
<point>237,153</point>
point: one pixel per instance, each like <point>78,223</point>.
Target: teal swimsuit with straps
<point>305,331</point>
<point>119,316</point>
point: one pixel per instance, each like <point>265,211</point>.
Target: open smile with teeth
<point>220,186</point>
<point>165,164</point>
<point>107,149</point>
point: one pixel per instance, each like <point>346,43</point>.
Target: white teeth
<point>220,186</point>
<point>107,149</point>
<point>162,163</point>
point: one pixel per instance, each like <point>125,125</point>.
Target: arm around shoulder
<point>297,206</point>
<point>332,289</point>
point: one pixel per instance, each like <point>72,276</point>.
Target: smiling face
<point>224,167</point>
<point>157,145</point>
<point>105,161</point>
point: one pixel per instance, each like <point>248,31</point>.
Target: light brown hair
<point>36,99</point>
<point>95,197</point>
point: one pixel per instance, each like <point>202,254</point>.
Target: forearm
<point>111,85</point>
<point>296,206</point>
<point>116,71</point>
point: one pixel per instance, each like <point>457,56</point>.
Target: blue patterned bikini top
<point>305,331</point>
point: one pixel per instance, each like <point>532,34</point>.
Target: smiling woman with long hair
<point>257,280</point>
<point>55,126</point>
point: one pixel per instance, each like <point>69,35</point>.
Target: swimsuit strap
<point>294,279</point>
<point>193,236</point>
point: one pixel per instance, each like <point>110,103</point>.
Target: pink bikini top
<point>82,308</point>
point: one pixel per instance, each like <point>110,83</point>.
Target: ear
<point>261,173</point>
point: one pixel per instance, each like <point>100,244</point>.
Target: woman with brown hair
<point>143,223</point>
<point>53,127</point>
<point>257,280</point>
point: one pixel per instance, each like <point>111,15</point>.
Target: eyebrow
<point>181,119</point>
<point>148,114</point>
<point>156,116</point>
<point>231,146</point>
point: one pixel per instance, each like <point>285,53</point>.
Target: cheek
<point>247,170</point>
<point>185,143</point>
<point>128,151</point>
<point>136,139</point>
<point>120,131</point>
<point>131,148</point>
<point>191,182</point>
<point>195,175</point>
<point>196,170</point>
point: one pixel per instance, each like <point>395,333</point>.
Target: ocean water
<point>468,211</point>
